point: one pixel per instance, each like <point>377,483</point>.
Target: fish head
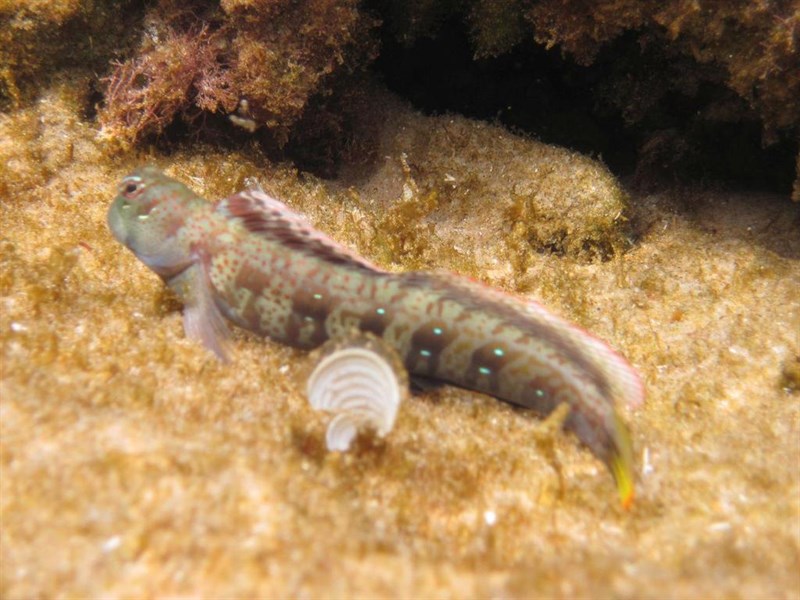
<point>147,216</point>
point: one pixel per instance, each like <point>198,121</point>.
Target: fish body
<point>252,260</point>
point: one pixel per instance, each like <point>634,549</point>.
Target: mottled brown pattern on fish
<point>376,321</point>
<point>488,361</point>
<point>310,308</point>
<point>427,343</point>
<point>251,280</point>
<point>511,316</point>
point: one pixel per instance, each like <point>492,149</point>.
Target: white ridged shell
<point>361,381</point>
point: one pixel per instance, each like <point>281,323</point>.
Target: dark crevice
<point>540,93</point>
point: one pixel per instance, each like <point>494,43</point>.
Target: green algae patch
<point>135,464</point>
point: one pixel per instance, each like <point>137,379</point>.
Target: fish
<point>252,260</point>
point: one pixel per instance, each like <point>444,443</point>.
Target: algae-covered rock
<point>260,59</point>
<point>683,77</point>
<point>47,138</point>
<point>450,174</point>
<point>38,37</point>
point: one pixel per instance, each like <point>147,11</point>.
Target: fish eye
<point>132,188</point>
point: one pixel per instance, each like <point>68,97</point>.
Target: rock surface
<point>134,464</point>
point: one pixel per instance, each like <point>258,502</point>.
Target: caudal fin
<point>621,461</point>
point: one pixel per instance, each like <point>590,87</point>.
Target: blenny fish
<point>254,261</point>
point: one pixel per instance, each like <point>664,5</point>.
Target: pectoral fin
<point>202,319</point>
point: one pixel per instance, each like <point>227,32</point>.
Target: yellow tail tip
<point>621,462</point>
<point>624,478</point>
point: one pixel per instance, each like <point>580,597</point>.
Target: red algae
<point>260,59</point>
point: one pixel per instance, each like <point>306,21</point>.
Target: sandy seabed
<point>136,465</point>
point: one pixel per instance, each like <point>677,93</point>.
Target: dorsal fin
<point>263,215</point>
